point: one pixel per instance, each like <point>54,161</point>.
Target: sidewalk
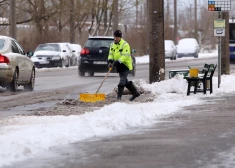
<point>200,136</point>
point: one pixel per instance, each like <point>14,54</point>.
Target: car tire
<point>81,72</point>
<point>30,85</point>
<point>175,57</point>
<point>69,63</point>
<point>73,62</point>
<point>13,86</point>
<point>91,73</point>
<point>62,63</point>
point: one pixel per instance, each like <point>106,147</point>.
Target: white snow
<point>22,137</point>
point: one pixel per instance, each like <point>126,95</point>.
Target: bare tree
<point>99,14</point>
<point>57,20</point>
<point>109,9</point>
<point>82,12</point>
<point>71,21</point>
<point>206,37</point>
<point>168,28</point>
<point>4,6</point>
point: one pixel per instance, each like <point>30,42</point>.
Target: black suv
<point>94,56</point>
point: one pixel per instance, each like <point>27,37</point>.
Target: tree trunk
<point>156,41</point>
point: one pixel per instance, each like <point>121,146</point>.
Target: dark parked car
<point>94,56</point>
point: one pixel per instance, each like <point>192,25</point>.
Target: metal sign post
<point>219,26</point>
<point>219,31</point>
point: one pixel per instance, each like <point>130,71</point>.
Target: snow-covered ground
<point>23,137</point>
<point>145,59</point>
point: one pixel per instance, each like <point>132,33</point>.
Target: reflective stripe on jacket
<point>121,52</point>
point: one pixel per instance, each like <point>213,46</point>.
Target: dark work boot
<point>131,87</point>
<point>120,91</point>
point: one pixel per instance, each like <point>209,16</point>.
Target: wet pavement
<point>198,136</point>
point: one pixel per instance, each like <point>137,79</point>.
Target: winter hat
<point>117,33</point>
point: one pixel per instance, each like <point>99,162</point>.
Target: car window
<point>48,47</point>
<point>2,41</point>
<point>21,50</point>
<point>97,43</point>
<point>14,47</point>
<point>64,47</point>
<point>69,48</point>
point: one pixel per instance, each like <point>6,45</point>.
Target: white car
<point>188,47</point>
<point>51,55</point>
<point>170,50</point>
<point>72,54</point>
<point>76,51</point>
<point>16,68</point>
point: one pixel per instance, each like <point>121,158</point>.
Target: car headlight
<point>55,58</point>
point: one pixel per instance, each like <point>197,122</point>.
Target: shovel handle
<point>104,79</point>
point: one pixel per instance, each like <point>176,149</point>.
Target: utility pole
<point>147,26</point>
<point>115,13</point>
<point>175,22</point>
<point>12,19</point>
<point>225,60</point>
<point>167,15</point>
<point>190,19</point>
<point>71,22</point>
<point>156,41</point>
<point>219,53</point>
<point>137,12</point>
<point>195,21</point>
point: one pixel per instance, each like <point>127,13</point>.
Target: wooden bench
<point>209,78</point>
<point>194,81</point>
<point>205,77</point>
<point>184,72</point>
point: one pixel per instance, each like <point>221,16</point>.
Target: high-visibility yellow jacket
<point>121,52</point>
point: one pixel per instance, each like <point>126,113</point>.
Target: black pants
<point>123,78</point>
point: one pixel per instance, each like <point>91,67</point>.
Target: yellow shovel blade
<point>87,97</point>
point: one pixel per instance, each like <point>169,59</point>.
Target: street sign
<point>219,23</point>
<point>219,27</point>
<point>219,5</point>
<point>219,32</point>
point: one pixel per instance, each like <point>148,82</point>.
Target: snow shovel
<point>88,97</point>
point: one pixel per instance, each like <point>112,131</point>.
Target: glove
<point>110,61</point>
<point>116,63</point>
<point>110,65</point>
